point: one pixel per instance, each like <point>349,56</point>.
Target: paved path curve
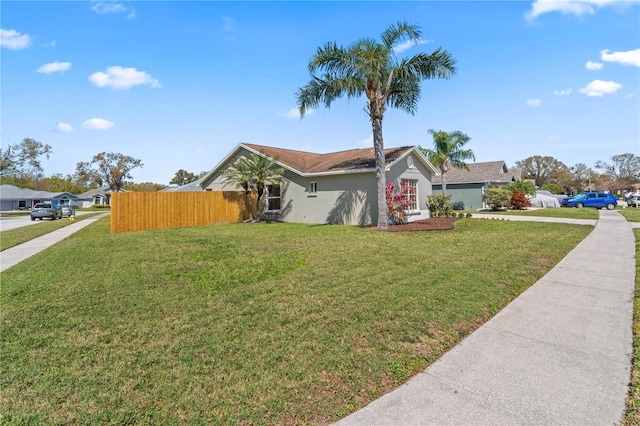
<point>558,354</point>
<point>17,254</point>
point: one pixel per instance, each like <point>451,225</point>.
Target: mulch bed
<point>432,224</point>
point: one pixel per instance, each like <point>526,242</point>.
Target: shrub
<point>440,205</point>
<point>468,215</point>
<point>397,203</point>
<point>497,198</point>
<point>519,201</point>
<point>458,205</point>
<point>523,185</point>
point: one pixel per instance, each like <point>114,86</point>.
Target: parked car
<point>591,199</point>
<point>42,210</point>
<point>66,211</point>
<point>634,201</point>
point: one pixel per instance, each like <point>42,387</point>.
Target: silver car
<point>66,211</point>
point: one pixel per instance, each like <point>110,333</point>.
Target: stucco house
<point>15,198</point>
<point>334,188</point>
<point>467,186</point>
<point>95,196</point>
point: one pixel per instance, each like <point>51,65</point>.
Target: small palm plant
<point>253,173</point>
<point>448,151</point>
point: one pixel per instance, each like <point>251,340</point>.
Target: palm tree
<point>253,173</point>
<point>373,69</point>
<point>448,152</point>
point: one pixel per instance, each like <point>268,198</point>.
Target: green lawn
<point>249,323</point>
<point>565,212</point>
<point>631,213</point>
<point>632,417</point>
<point>21,235</point>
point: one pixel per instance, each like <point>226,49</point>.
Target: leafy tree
<point>59,183</point>
<point>183,177</point>
<point>448,152</point>
<point>542,169</point>
<point>143,186</point>
<point>497,198</point>
<point>580,178</point>
<point>553,188</point>
<point>371,68</point>
<point>253,173</point>
<point>523,185</point>
<point>107,168</point>
<point>624,170</point>
<point>23,158</point>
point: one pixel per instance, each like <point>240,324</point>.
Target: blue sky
<point>180,84</point>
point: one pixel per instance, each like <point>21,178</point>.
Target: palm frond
<point>399,31</point>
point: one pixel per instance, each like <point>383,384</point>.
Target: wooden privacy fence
<point>137,211</point>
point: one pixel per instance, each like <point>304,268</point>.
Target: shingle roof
<point>308,162</point>
<point>491,171</point>
<point>104,191</point>
<point>11,192</point>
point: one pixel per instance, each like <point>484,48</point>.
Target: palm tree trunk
<point>378,147</point>
<point>444,184</point>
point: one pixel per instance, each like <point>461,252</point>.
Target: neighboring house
<point>189,187</point>
<point>335,188</point>
<point>95,196</point>
<point>467,186</point>
<point>15,198</point>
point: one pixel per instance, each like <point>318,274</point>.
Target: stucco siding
<point>467,195</point>
<point>345,197</point>
<point>417,172</point>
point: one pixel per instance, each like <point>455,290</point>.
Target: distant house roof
<point>488,172</point>
<point>191,186</point>
<point>104,191</point>
<point>11,192</point>
<point>308,163</point>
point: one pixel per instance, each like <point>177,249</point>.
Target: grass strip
<point>250,323</point>
<point>563,212</point>
<point>632,416</point>
<point>632,214</point>
<point>14,237</point>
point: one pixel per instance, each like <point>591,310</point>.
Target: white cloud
<point>408,44</point>
<point>569,7</point>
<point>294,113</point>
<point>593,66</point>
<point>600,88</point>
<point>563,92</point>
<point>64,127</point>
<point>534,102</point>
<point>366,143</point>
<point>104,8</point>
<point>118,77</point>
<point>11,39</point>
<point>54,67</point>
<point>630,57</point>
<point>229,23</point>
<point>98,124</point>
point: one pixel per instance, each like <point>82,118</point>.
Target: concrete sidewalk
<point>17,254</point>
<point>558,354</point>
